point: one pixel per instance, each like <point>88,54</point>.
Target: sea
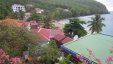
<point>108,29</point>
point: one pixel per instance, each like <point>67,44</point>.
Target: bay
<point>108,29</point>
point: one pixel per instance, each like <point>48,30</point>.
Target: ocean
<point>108,29</point>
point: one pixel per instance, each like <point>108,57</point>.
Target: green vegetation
<point>77,7</point>
<point>96,24</point>
<point>75,28</point>
<point>48,53</point>
<point>14,40</point>
<point>36,17</point>
<point>17,15</point>
<point>58,9</point>
<point>47,22</point>
<point>51,53</point>
<point>6,11</point>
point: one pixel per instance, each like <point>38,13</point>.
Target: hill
<point>86,6</point>
<point>75,7</point>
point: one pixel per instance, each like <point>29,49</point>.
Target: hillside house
<point>61,39</point>
<point>38,10</point>
<point>27,15</point>
<point>46,34</point>
<point>18,7</point>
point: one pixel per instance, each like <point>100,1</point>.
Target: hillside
<point>86,6</point>
<point>75,7</point>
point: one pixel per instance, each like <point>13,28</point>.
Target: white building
<point>38,10</point>
<point>27,15</point>
<point>18,7</point>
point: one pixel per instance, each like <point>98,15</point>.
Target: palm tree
<point>75,28</point>
<point>96,24</point>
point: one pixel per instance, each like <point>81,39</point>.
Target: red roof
<point>12,22</point>
<point>48,33</point>
<point>25,24</point>
<point>45,32</point>
<point>41,37</point>
<point>66,40</point>
<point>33,23</point>
<point>59,37</point>
<point>62,39</point>
<point>57,31</point>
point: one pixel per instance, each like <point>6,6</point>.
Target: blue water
<point>108,29</point>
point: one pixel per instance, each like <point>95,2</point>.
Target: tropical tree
<point>54,14</point>
<point>36,17</point>
<point>16,39</point>
<point>66,59</point>
<point>5,11</point>
<point>46,53</point>
<point>16,15</point>
<point>47,22</point>
<point>96,24</point>
<point>75,28</point>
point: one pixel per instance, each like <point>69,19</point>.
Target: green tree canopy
<point>36,17</point>
<point>48,53</point>
<point>96,24</point>
<point>14,39</point>
<point>47,21</point>
<point>5,11</point>
<point>75,28</point>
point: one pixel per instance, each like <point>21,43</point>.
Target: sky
<point>107,3</point>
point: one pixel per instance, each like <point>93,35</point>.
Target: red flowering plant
<point>85,60</point>
<point>108,60</point>
<point>5,59</point>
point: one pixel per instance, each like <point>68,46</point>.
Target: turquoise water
<point>108,22</point>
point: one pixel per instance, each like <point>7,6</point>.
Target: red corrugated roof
<point>41,37</point>
<point>12,22</point>
<point>48,33</point>
<point>66,40</point>
<point>62,39</point>
<point>45,32</point>
<point>42,33</point>
<point>55,32</point>
<point>59,37</point>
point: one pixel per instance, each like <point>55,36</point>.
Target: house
<point>30,25</point>
<point>29,5</point>
<point>34,24</point>
<point>38,10</point>
<point>20,23</point>
<point>18,7</point>
<point>26,25</point>
<point>46,34</point>
<point>66,10</point>
<point>12,22</point>
<point>92,49</point>
<point>27,15</point>
<point>61,39</point>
